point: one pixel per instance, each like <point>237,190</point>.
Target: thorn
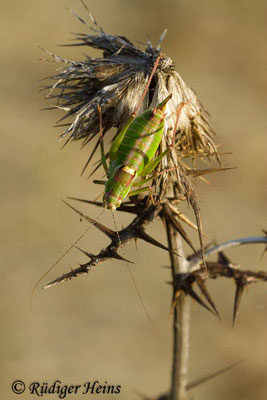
<point>238,294</point>
<point>90,255</point>
<point>200,172</point>
<point>94,170</point>
<point>207,296</point>
<point>213,375</point>
<point>195,296</point>
<point>115,255</point>
<point>109,232</point>
<point>95,203</point>
<point>184,218</point>
<point>194,205</point>
<point>91,156</point>
<point>222,259</point>
<point>180,229</point>
<point>75,15</point>
<point>143,235</point>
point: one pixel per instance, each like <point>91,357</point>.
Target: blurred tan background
<point>93,328</point>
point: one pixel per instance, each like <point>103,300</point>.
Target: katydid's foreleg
<point>103,157</point>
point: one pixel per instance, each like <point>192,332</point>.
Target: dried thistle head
<point>116,82</point>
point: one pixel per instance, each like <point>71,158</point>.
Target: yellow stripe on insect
<point>129,170</point>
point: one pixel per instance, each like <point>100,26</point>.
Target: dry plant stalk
<point>115,82</point>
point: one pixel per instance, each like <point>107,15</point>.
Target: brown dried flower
<point>116,82</point>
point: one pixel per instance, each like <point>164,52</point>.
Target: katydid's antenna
<point>64,254</point>
<point>130,271</point>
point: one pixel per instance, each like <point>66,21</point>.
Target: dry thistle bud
<point>116,82</point>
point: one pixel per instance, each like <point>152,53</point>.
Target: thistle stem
<point>181,320</point>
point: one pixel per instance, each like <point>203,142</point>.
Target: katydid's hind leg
<point>151,165</point>
<point>103,157</point>
<point>138,191</point>
<point>143,181</point>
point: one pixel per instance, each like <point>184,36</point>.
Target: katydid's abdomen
<point>141,141</point>
<point>137,148</point>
